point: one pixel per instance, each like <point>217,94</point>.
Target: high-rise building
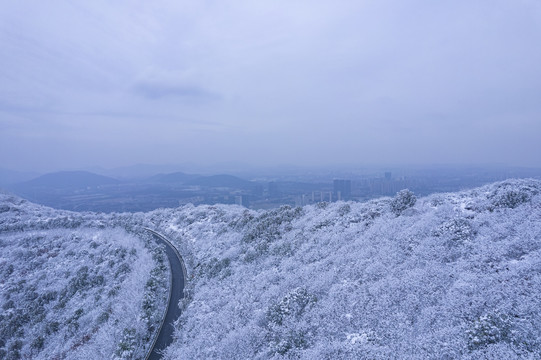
<point>238,200</point>
<point>342,189</point>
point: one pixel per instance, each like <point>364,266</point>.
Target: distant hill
<point>139,171</point>
<point>228,181</point>
<point>176,177</point>
<point>67,179</point>
<point>86,191</point>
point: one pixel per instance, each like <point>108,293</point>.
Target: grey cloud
<point>154,90</point>
<point>298,82</point>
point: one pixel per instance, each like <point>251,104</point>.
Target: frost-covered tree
<point>403,200</point>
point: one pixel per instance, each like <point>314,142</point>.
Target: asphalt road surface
<point>165,336</point>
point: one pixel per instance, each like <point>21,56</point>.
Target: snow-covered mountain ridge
<point>447,276</point>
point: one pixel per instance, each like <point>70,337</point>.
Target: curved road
<point>178,271</point>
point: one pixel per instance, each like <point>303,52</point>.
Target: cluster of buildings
<point>342,190</point>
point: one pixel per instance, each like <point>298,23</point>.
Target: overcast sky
<point>113,83</point>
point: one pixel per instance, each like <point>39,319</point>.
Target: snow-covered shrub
<point>154,299</point>
<point>283,333</point>
<point>455,236</point>
<point>260,232</point>
<point>127,346</point>
<point>510,194</point>
<point>322,205</point>
<point>489,329</point>
<point>457,231</point>
<point>403,200</point>
<point>290,306</point>
<point>240,222</point>
<point>271,224</point>
<point>511,199</point>
<point>344,210</point>
<point>216,267</point>
<point>288,340</point>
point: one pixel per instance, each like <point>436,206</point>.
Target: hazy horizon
<point>266,84</point>
<point>280,171</point>
<point>235,167</point>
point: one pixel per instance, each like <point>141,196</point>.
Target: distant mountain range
<point>137,172</point>
<point>83,190</point>
<point>85,179</point>
<point>96,191</point>
<point>68,180</point>
<point>176,177</point>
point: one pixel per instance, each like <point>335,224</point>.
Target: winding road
<point>178,276</point>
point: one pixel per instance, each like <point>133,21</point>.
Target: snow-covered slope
<point>443,277</point>
<point>448,276</point>
<point>75,286</point>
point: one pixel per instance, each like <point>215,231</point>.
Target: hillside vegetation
<point>447,276</point>
<point>76,286</point>
<point>443,277</point>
